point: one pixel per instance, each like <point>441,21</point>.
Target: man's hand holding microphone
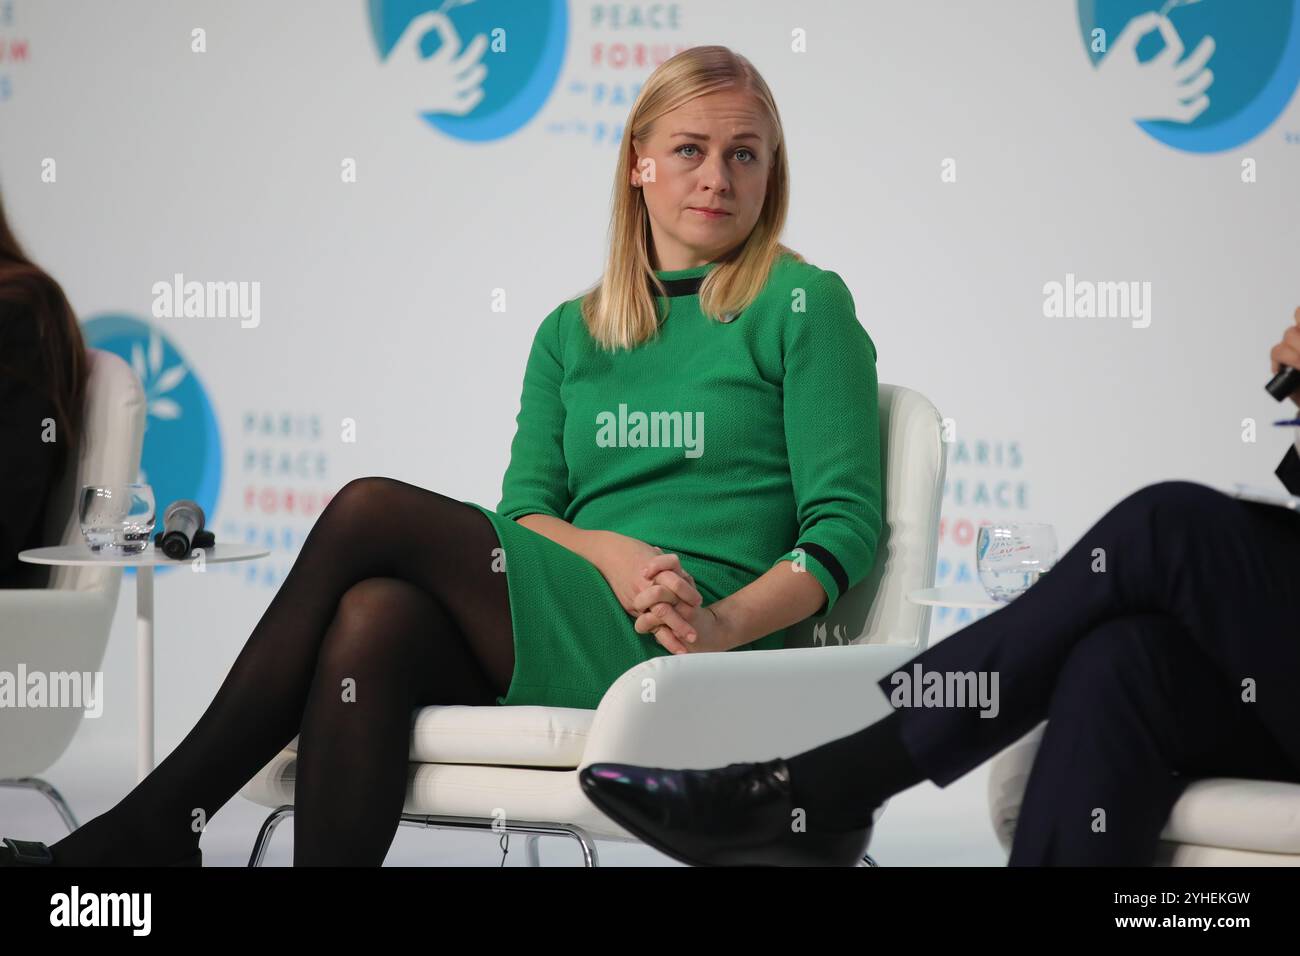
<point>1286,364</point>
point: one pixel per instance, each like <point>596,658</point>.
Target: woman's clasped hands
<point>670,608</point>
<point>658,592</point>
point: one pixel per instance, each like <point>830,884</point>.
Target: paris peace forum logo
<point>476,70</point>
<point>1198,75</point>
<point>182,443</point>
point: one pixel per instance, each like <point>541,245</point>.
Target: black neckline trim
<point>679,287</point>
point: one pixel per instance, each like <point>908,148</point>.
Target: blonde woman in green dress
<point>695,468</point>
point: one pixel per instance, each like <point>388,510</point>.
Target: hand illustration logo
<point>449,80</point>
<point>1144,69</point>
<point>1164,87</point>
<point>449,83</point>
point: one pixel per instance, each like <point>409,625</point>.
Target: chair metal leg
<point>50,793</point>
<point>532,856</point>
<point>533,831</point>
<point>277,817</point>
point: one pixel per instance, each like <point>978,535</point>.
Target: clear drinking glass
<point>117,518</point>
<point>1011,557</point>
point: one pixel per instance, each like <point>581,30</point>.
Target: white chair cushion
<point>1238,814</point>
<point>512,794</point>
<point>1261,815</point>
<point>528,736</point>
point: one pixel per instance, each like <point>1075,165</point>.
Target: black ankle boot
<point>737,815</point>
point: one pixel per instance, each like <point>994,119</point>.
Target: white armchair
<point>516,769</point>
<point>64,626</point>
<point>1218,821</point>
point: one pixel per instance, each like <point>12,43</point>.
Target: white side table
<point>144,563</point>
<point>969,595</point>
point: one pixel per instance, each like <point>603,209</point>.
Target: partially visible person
<point>43,371</point>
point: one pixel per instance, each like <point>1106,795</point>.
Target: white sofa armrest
<point>54,629</point>
<point>48,630</point>
<point>709,710</point>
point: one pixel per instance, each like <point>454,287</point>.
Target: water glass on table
<point>1011,557</point>
<point>117,518</point>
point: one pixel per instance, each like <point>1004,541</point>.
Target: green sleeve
<point>537,478</point>
<point>832,434</point>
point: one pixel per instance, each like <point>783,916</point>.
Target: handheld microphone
<point>1286,381</point>
<point>182,525</point>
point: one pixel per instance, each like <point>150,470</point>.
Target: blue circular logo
<point>475,69</point>
<point>1206,75</point>
<point>182,444</point>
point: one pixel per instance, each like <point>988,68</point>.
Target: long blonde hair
<point>620,311</point>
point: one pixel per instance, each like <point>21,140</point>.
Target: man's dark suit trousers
<point>1163,646</point>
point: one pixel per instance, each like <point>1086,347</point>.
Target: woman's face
<point>715,151</point>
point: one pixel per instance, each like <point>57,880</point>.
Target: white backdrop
<point>376,296</point>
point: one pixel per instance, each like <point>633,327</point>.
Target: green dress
<point>770,442</point>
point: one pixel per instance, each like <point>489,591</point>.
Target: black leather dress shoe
<point>25,853</point>
<point>34,853</point>
<point>738,815</point>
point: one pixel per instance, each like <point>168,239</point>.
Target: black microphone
<point>1286,381</point>
<point>182,524</point>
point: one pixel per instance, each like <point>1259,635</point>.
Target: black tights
<point>392,604</point>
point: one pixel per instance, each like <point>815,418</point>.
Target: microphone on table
<point>183,529</point>
<point>1286,381</point>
